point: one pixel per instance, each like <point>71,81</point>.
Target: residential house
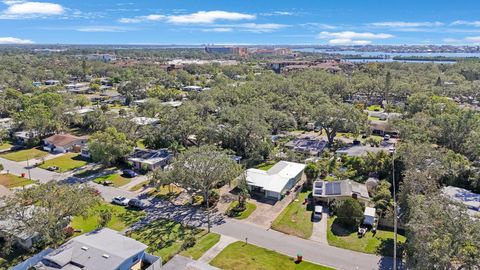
<point>150,159</point>
<point>466,197</point>
<point>24,137</point>
<point>104,249</point>
<point>52,82</point>
<point>62,143</point>
<point>276,181</point>
<point>324,191</point>
<point>23,237</point>
<point>192,88</point>
<point>145,121</point>
<point>307,145</point>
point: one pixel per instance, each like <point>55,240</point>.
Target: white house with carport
<point>276,181</point>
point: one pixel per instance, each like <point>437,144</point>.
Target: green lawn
<point>12,181</point>
<point>165,237</point>
<point>5,145</point>
<point>381,243</point>
<point>116,179</point>
<point>245,214</point>
<point>67,162</point>
<point>245,256</point>
<point>23,155</point>
<point>375,108</point>
<point>140,144</point>
<point>121,218</point>
<point>203,244</point>
<point>265,166</point>
<point>296,219</point>
<point>165,192</point>
<point>139,185</point>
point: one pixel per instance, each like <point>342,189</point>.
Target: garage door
<point>272,195</point>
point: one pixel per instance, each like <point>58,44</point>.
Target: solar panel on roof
<point>317,191</point>
<point>319,184</point>
<point>332,188</point>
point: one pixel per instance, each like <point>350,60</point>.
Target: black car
<point>137,204</point>
<point>129,173</point>
<point>17,147</point>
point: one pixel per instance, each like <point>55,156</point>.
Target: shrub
<point>189,242</point>
<point>349,212</point>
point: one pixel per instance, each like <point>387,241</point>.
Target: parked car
<point>386,137</point>
<point>137,204</point>
<point>317,213</point>
<point>17,147</point>
<point>120,200</point>
<point>129,173</point>
<point>52,168</point>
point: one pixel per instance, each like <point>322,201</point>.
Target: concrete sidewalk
<point>217,248</point>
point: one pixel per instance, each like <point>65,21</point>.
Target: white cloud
<point>12,40</point>
<point>204,17</point>
<point>346,41</point>
<point>107,28</point>
<point>218,29</point>
<point>351,38</point>
<point>209,17</point>
<point>468,23</point>
<point>260,27</point>
<point>34,8</point>
<point>400,24</point>
<point>475,40</point>
<point>352,35</point>
<point>151,17</point>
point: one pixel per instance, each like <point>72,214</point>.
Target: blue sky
<point>338,22</point>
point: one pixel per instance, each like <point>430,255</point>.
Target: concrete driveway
<point>320,227</point>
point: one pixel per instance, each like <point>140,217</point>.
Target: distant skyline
<point>242,22</point>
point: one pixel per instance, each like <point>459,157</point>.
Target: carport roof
<point>276,178</point>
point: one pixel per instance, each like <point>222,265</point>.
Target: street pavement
<point>17,168</point>
<point>312,251</point>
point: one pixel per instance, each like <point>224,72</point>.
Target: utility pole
<point>28,168</point>
<point>392,151</point>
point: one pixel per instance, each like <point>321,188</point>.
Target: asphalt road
<point>17,168</point>
<point>312,251</point>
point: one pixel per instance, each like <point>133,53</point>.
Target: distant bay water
<point>378,56</point>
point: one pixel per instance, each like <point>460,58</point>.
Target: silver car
<point>120,200</point>
<point>317,213</point>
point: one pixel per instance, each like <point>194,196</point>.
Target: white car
<point>120,200</point>
<point>317,213</point>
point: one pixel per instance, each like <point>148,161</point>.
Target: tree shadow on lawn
<point>339,229</point>
<point>163,233</point>
<point>385,248</point>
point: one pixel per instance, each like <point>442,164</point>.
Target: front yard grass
<point>203,244</point>
<point>22,155</point>
<point>139,185</point>
<point>121,218</point>
<point>11,181</point>
<point>245,256</point>
<point>165,237</point>
<point>380,244</point>
<point>375,108</point>
<point>5,145</point>
<point>165,192</point>
<point>246,213</point>
<point>116,179</point>
<point>296,219</point>
<point>67,162</point>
